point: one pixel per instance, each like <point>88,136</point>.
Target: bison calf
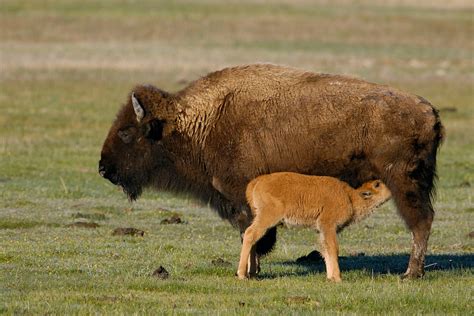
<point>324,203</point>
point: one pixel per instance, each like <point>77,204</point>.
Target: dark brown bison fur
<point>211,138</point>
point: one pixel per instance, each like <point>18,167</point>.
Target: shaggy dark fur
<point>211,138</point>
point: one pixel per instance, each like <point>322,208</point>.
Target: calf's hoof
<point>334,279</point>
<point>241,276</point>
<point>413,274</point>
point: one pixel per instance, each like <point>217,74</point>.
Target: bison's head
<point>133,150</point>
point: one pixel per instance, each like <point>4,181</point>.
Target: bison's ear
<point>154,129</point>
<point>137,107</point>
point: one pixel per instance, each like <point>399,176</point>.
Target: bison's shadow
<point>380,264</point>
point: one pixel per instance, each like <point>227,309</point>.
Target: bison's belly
<point>325,154</point>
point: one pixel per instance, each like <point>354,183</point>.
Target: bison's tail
<point>439,136</point>
<point>426,172</point>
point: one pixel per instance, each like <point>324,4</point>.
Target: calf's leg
<point>252,234</point>
<point>253,264</point>
<point>244,221</point>
<point>330,251</point>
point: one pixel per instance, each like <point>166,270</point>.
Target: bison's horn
<point>137,108</point>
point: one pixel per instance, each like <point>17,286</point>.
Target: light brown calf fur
<point>325,203</point>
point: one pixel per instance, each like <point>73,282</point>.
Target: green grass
<point>66,66</point>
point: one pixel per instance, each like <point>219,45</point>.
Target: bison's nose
<point>108,172</point>
<point>101,170</point>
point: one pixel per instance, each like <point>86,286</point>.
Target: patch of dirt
<point>161,273</point>
<point>313,257</point>
<point>301,300</point>
<point>83,225</point>
<point>123,231</point>
<point>94,216</point>
<point>465,184</point>
<point>175,219</point>
<point>182,81</point>
<point>219,262</point>
<point>469,210</point>
<point>471,234</point>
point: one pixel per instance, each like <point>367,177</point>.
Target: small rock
<point>465,184</point>
<point>83,225</point>
<point>301,300</point>
<point>95,216</point>
<point>161,273</point>
<point>297,299</point>
<point>122,231</point>
<point>182,82</point>
<point>175,219</point>
<point>221,262</point>
<point>241,304</point>
<point>313,256</point>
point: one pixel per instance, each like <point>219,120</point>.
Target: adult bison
<point>211,138</point>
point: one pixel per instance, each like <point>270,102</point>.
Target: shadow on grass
<point>379,264</point>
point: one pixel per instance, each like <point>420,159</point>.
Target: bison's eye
<point>126,135</point>
<point>154,130</point>
<point>376,184</point>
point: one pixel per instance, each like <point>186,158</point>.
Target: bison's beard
<point>132,190</point>
<point>132,193</point>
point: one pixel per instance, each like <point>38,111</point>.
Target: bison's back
<point>269,118</point>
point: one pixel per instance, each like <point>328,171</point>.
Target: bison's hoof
<point>241,276</point>
<point>252,275</point>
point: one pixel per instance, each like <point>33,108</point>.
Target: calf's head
<point>374,192</point>
<point>133,150</point>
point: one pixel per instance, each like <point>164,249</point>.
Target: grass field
<point>66,66</point>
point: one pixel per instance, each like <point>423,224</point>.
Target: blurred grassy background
<point>65,68</point>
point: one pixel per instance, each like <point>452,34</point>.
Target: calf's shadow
<point>377,264</point>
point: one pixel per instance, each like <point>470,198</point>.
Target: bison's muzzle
<point>108,172</point>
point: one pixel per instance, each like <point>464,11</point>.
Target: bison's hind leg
<point>411,190</point>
